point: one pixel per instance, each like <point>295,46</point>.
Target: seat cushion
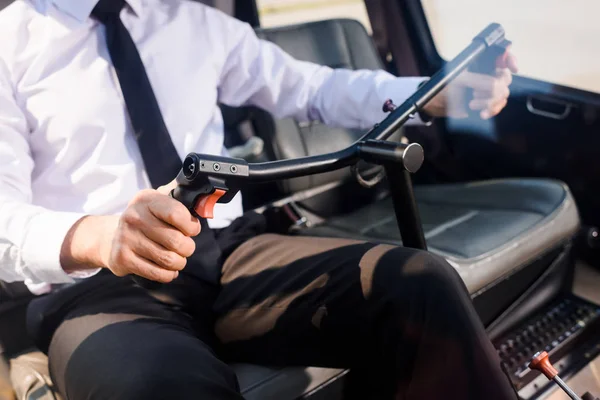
<point>486,230</point>
<point>258,383</point>
<point>31,379</point>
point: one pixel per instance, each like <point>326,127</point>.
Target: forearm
<point>87,243</point>
<point>354,99</point>
<point>30,241</point>
<point>260,73</point>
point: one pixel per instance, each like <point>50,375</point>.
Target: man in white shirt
<point>77,211</point>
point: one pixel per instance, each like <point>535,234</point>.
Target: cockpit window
<point>286,12</point>
<point>554,40</point>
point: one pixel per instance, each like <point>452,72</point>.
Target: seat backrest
<point>337,43</point>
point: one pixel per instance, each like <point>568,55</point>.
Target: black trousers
<point>401,319</point>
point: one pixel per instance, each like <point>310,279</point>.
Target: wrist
<point>87,244</point>
<point>433,109</point>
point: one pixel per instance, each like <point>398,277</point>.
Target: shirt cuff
<point>40,253</point>
<point>400,89</point>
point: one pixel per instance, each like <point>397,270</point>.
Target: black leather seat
<point>485,229</point>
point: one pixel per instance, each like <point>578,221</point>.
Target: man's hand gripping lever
<point>497,62</point>
<point>204,181</point>
<point>481,90</point>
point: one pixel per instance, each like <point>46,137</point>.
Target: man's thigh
<point>114,340</point>
<point>317,301</point>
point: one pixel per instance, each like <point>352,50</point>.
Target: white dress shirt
<point>66,145</point>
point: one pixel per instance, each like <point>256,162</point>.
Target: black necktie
<point>158,152</point>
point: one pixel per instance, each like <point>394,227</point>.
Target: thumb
<point>166,189</point>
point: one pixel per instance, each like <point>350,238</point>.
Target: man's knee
<point>402,269</point>
<point>130,361</point>
<point>166,381</point>
<point>433,269</point>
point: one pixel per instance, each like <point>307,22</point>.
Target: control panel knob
<point>541,362</point>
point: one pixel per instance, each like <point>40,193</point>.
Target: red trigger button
<point>205,204</point>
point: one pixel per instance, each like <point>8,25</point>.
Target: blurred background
<point>555,40</point>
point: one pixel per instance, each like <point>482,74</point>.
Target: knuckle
<point>173,214</point>
<point>141,196</point>
<point>167,259</point>
<point>173,242</point>
<point>131,216</point>
<point>189,229</point>
<point>177,262</point>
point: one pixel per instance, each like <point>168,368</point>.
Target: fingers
<point>485,103</point>
<point>496,89</point>
<point>505,75</point>
<point>175,214</point>
<point>168,237</point>
<point>153,237</point>
<point>492,86</point>
<point>490,93</point>
<point>160,256</point>
<point>495,110</point>
<point>489,107</point>
<point>124,261</point>
<point>149,270</point>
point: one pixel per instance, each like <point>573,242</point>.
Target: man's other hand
<point>489,93</point>
<point>151,239</point>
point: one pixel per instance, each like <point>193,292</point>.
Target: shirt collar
<point>82,9</point>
